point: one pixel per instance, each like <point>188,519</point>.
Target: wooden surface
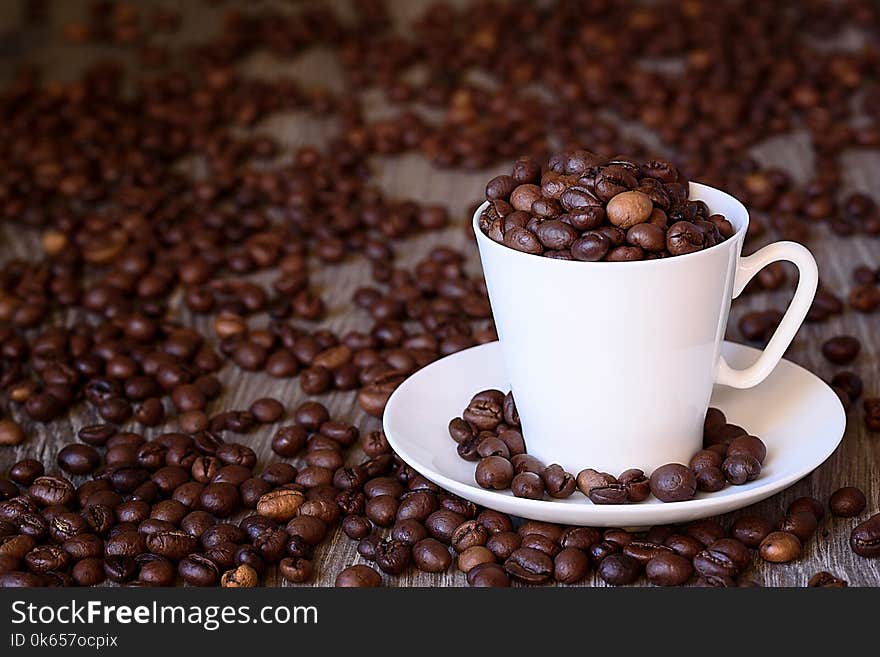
<point>854,463</point>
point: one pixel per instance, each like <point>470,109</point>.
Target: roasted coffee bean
<point>825,579</point>
<point>296,569</point>
<point>669,569</point>
<point>494,473</point>
<point>740,469</point>
<point>706,531</point>
<point>474,556</point>
<point>609,494</point>
<point>503,544</point>
<point>780,547</point>
<point>747,446</point>
<point>643,551</point>
<point>198,570</point>
<point>810,504</point>
<point>242,576</point>
<point>802,524</point>
<point>637,485</point>
<point>488,575</point>
<point>559,483</point>
<point>673,482</point>
<point>51,491</point>
<point>579,537</point>
<point>865,537</point>
<point>841,349</point>
<point>529,566</point>
<point>540,542</point>
<point>570,566</point>
<point>392,556</point>
<point>527,485</point>
<point>847,502</point>
<point>382,510</point>
<point>619,569</point>
<point>442,524</point>
<point>359,576</point>
<point>751,530</point>
<point>589,479</point>
<point>24,472</point>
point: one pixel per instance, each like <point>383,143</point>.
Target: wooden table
<point>856,462</point>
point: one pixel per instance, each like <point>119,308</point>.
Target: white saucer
<point>795,413</point>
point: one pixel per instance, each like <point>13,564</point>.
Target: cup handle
<point>808,281</point>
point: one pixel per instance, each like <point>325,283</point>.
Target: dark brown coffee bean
<point>529,565</point>
<point>825,579</point>
<point>865,537</point>
<point>669,569</point>
<point>673,482</point>
<point>359,576</point>
<point>847,502</point>
<point>751,530</point>
<point>527,485</point>
<point>841,349</point>
<point>802,524</point>
<point>619,569</point>
<point>740,469</point>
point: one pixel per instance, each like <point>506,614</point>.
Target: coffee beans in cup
<point>583,206</point>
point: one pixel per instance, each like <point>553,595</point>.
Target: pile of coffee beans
<point>178,241</point>
<point>489,433</point>
<point>583,206</point>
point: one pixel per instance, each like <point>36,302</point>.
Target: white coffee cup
<point>612,363</point>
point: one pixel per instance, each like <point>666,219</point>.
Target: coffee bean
<point>841,349</point>
<point>431,556</point>
<point>673,482</point>
<point>847,502</point>
<point>668,569</point>
<point>442,524</point>
<point>865,537</point>
<point>619,569</point>
<point>637,485</point>
<point>740,469</point>
<point>296,569</point>
<point>280,505</point>
<point>570,566</point>
<point>529,565</point>
<point>242,576</point>
<point>825,579</point>
<point>747,446</point>
<point>527,485</point>
<point>750,530</point>
<point>490,575</point>
<point>360,576</point>
<point>706,531</point>
<point>588,479</point>
<point>474,556</point>
<point>780,547</point>
<point>802,524</point>
<point>392,556</point>
<point>11,433</point>
<point>198,570</point>
<point>810,504</point>
<point>559,483</point>
<point>494,473</point>
<point>24,472</point>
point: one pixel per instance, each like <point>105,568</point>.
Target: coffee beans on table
<point>93,320</point>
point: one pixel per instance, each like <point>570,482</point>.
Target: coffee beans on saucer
<point>489,433</point>
<point>582,206</point>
